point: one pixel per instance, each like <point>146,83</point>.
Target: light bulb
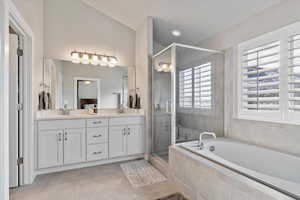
<point>85,59</point>
<point>75,57</point>
<point>87,82</point>
<point>112,62</point>
<point>95,60</point>
<point>104,61</point>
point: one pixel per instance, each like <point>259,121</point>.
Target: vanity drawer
<point>126,121</point>
<point>97,122</point>
<point>97,152</point>
<point>61,124</point>
<point>97,135</point>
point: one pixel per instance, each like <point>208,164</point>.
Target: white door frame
<point>4,99</point>
<point>9,15</point>
<point>15,172</point>
<point>76,79</point>
<point>27,138</point>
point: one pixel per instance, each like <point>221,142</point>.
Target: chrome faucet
<point>200,143</point>
<point>65,110</point>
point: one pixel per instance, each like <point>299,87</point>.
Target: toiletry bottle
<point>95,109</point>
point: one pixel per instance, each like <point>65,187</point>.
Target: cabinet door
<point>74,146</point>
<point>50,148</point>
<point>135,140</point>
<point>117,141</point>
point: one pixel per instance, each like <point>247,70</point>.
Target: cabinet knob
<point>66,138</point>
<point>128,131</point>
<point>97,122</point>
<point>97,152</point>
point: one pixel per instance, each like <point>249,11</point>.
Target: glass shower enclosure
<point>185,96</point>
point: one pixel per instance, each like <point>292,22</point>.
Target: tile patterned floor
<point>105,182</point>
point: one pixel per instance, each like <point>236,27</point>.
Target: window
<point>260,70</point>
<point>294,74</point>
<point>186,88</point>
<point>202,86</point>
<point>195,85</point>
<point>269,76</point>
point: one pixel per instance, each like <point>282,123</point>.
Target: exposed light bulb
<point>87,82</point>
<point>104,61</point>
<point>75,57</point>
<point>112,62</point>
<point>85,59</point>
<point>95,60</point>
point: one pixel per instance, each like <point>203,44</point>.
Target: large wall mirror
<point>78,86</point>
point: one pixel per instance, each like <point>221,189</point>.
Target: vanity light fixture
<point>164,67</point>
<point>94,59</point>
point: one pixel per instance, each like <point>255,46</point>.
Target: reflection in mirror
<point>86,93</point>
<point>77,86</point>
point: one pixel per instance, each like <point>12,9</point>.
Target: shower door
<point>163,89</point>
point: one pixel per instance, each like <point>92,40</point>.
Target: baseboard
<point>86,164</point>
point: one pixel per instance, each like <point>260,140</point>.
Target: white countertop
<point>83,114</point>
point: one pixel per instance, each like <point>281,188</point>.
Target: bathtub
<point>275,169</point>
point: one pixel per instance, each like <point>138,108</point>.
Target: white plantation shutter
<point>186,88</point>
<point>294,73</point>
<point>261,78</point>
<point>202,86</point>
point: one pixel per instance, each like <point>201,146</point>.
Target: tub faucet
<point>200,143</point>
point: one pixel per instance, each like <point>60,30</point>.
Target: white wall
<point>110,82</point>
<point>72,25</point>
<point>144,52</point>
<point>272,18</point>
<point>282,137</point>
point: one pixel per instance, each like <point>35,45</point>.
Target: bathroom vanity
<point>80,140</point>
<point>68,135</point>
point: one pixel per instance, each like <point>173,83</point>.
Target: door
<point>117,141</point>
<point>74,146</point>
<point>13,114</point>
<point>135,142</point>
<point>50,148</point>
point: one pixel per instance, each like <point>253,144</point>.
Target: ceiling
<point>195,19</point>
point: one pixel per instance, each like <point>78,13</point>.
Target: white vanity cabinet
<point>126,137</point>
<point>50,148</point>
<point>74,146</point>
<point>71,143</point>
<point>61,142</point>
<point>135,140</point>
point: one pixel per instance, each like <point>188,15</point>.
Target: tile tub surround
<point>200,179</point>
<point>106,182</point>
